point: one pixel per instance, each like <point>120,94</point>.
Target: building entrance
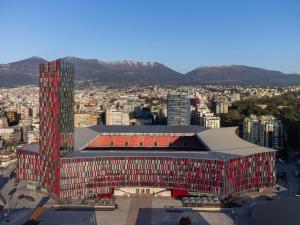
<point>142,191</point>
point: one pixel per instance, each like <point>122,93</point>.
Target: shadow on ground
<point>158,216</point>
<point>3,181</point>
<point>53,217</point>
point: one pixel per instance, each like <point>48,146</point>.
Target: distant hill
<point>108,73</point>
<point>127,72</point>
<point>22,72</point>
<point>242,75</point>
<point>124,72</point>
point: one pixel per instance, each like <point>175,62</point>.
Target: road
<point>293,182</point>
<point>6,185</point>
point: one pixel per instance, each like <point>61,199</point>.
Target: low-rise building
<point>116,117</point>
<point>3,122</point>
<point>85,120</point>
<point>11,135</point>
<point>7,158</point>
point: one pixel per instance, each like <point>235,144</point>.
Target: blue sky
<point>182,34</point>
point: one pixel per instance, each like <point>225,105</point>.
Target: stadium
<point>161,160</point>
<point>180,160</point>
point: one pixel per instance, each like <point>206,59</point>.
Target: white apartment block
<point>211,121</point>
<point>265,130</point>
<point>203,117</point>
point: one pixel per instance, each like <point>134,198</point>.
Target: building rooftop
<point>83,136</point>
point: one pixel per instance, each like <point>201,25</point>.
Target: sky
<point>182,34</point>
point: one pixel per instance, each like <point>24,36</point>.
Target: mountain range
<point>119,73</point>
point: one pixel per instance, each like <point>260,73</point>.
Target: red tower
<point>56,120</point>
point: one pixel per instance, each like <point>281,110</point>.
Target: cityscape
<point>125,142</point>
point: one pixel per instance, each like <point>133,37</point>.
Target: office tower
<point>56,119</point>
<point>264,130</point>
<point>179,108</point>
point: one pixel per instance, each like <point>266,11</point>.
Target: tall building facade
<point>265,130</point>
<point>56,120</point>
<point>179,112</point>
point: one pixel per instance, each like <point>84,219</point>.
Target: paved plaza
<point>134,211</point>
<point>131,211</point>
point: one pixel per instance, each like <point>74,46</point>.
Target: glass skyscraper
<point>179,108</point>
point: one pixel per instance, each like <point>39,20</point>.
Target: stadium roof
<point>83,136</point>
<point>221,143</point>
<point>225,140</point>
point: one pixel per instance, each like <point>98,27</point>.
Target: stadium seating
<point>146,141</point>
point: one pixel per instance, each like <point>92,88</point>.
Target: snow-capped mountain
<point>127,72</point>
